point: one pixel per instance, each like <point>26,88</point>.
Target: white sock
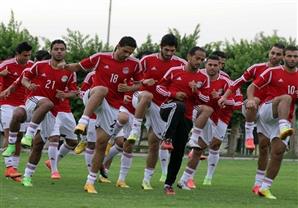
<point>15,161</point>
<point>126,161</point>
<point>267,182</point>
<point>84,120</point>
<point>195,170</point>
<point>91,178</point>
<point>213,158</point>
<point>64,149</point>
<point>88,158</point>
<point>8,161</point>
<point>29,170</point>
<point>115,149</point>
<point>187,174</point>
<point>196,133</point>
<point>164,159</point>
<point>136,126</point>
<point>249,128</point>
<point>283,123</point>
<point>148,173</point>
<point>259,177</point>
<point>32,128</point>
<point>53,155</point>
<point>12,137</point>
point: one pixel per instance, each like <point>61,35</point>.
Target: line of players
<point>174,96</point>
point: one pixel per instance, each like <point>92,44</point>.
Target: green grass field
<point>231,188</point>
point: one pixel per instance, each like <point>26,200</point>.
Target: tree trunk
<point>235,133</point>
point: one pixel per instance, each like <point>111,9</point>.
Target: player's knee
<point>71,144</point>
<point>99,91</point>
<point>277,153</point>
<point>123,118</point>
<point>146,97</point>
<point>46,104</point>
<point>287,98</point>
<point>128,146</point>
<point>91,145</point>
<point>214,146</point>
<point>19,115</point>
<point>206,110</point>
<point>197,151</point>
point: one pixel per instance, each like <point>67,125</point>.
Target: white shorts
<point>220,130</point>
<point>106,115</point>
<point>6,112</point>
<point>153,118</point>
<point>64,125</point>
<point>91,132</point>
<point>125,131</point>
<point>208,133</point>
<point>266,124</point>
<point>31,104</point>
<point>46,127</point>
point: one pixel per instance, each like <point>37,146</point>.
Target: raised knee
<point>146,97</point>
<point>206,109</point>
<point>99,91</point>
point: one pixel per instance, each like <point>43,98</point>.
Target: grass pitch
<point>231,187</point>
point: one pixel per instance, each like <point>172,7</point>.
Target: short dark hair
<point>213,57</point>
<point>279,45</point>
<point>42,55</point>
<point>58,41</point>
<point>221,54</point>
<point>24,46</point>
<point>193,50</point>
<point>169,40</point>
<point>290,48</point>
<point>127,41</point>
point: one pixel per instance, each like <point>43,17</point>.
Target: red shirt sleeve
<point>264,79</point>
<point>90,63</point>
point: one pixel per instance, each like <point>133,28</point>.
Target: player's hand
<point>180,96</point>
<point>127,99</point>
<point>221,102</point>
<point>193,86</point>
<point>62,65</point>
<point>60,94</point>
<point>251,104</point>
<point>123,87</point>
<point>32,86</point>
<point>149,82</point>
<point>5,93</point>
<point>214,94</point>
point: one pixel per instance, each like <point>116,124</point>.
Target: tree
<point>146,48</point>
<point>80,46</point>
<point>186,42</point>
<point>11,35</point>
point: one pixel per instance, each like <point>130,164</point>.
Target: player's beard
<point>274,62</point>
<point>165,57</point>
<point>290,65</point>
<point>194,68</point>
